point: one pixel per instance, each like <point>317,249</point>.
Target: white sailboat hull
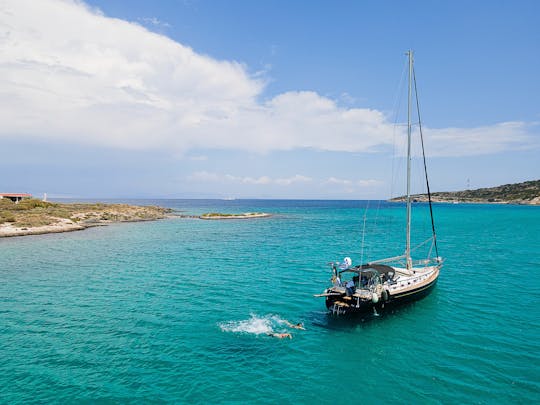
<point>402,289</point>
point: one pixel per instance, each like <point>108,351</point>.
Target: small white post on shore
<point>44,197</point>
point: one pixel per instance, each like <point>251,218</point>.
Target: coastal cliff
<point>34,217</point>
<point>527,193</point>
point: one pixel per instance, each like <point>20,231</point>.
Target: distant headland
<point>35,217</point>
<point>527,193</point>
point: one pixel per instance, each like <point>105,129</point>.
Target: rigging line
<point>422,244</point>
<point>375,224</point>
<point>397,106</point>
<point>425,165</point>
<point>430,249</point>
<point>363,233</point>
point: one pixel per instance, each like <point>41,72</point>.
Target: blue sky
<point>263,99</point>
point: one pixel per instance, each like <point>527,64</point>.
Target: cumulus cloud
<point>71,74</point>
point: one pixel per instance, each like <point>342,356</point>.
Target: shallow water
<point>178,310</point>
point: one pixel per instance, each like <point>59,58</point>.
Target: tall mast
<point>409,108</point>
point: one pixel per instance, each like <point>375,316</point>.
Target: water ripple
<point>178,311</point>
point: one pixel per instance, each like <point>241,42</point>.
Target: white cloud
<point>71,74</point>
<point>295,179</point>
<point>155,22</point>
<point>337,185</point>
<point>477,141</point>
<point>209,177</point>
<point>368,183</point>
<point>481,140</point>
<point>352,186</point>
<point>341,182</point>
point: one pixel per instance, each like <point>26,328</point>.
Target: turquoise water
<point>177,310</point>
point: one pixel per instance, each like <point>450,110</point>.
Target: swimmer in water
<point>299,325</point>
<point>280,335</point>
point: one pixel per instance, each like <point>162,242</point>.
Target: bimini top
<point>365,268</point>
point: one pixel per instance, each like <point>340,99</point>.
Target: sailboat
<point>392,281</point>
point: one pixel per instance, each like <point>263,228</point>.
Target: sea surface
<point>178,310</point>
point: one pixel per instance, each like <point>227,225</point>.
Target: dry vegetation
<point>31,214</point>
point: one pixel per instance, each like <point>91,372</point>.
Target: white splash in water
<point>254,325</point>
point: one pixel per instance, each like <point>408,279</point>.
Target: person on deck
<point>350,288</point>
<point>337,281</point>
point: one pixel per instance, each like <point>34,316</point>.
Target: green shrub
<point>31,203</point>
<point>6,203</point>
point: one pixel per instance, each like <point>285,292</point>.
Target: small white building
<point>15,197</point>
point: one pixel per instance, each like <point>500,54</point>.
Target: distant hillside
<point>519,193</point>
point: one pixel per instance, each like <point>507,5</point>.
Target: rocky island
<point>246,215</point>
<point>34,217</point>
<point>527,193</point>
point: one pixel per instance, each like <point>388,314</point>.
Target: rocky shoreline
<point>34,217</point>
